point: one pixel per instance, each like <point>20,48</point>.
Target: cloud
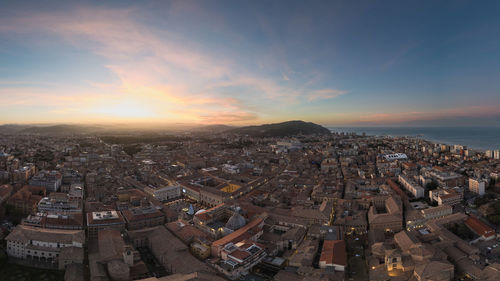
<point>230,117</point>
<point>401,117</point>
<point>325,94</point>
<point>162,72</point>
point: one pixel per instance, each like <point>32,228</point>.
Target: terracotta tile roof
<point>479,227</point>
<point>334,252</point>
<point>239,234</point>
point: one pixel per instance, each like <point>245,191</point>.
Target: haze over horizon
<point>376,63</point>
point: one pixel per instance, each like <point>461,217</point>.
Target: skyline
<point>211,62</point>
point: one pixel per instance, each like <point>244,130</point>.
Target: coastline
<point>477,139</point>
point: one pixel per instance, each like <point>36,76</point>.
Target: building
<point>496,154</point>
<point>387,217</point>
<point>191,191</point>
<point>333,255</point>
<point>164,193</point>
<point>5,192</point>
<point>187,232</point>
<point>437,212</point>
<point>59,203</point>
<point>480,228</point>
<point>446,178</point>
<point>53,248</point>
<point>476,186</point>
<point>252,231</point>
<point>445,196</point>
<point>55,221</point>
<point>395,156</point>
<point>219,220</point>
<point>489,153</point>
<point>230,169</point>
<point>328,165</point>
<point>238,259</point>
<point>113,259</point>
<point>50,180</point>
<point>435,271</point>
<point>173,254</point>
<point>26,199</point>
<point>415,189</point>
<point>142,217</point>
<point>104,220</point>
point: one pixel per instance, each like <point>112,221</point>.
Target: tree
<point>132,149</point>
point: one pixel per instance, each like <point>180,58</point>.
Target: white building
<point>437,212</point>
<point>238,259</point>
<point>230,169</point>
<point>395,156</point>
<point>415,189</point>
<point>164,193</point>
<point>445,196</point>
<point>488,153</point>
<point>59,203</point>
<point>54,247</point>
<point>496,154</point>
<point>476,186</point>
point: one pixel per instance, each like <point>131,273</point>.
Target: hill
<point>212,129</point>
<point>60,129</point>
<point>289,128</point>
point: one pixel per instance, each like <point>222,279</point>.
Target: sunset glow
<point>201,62</point>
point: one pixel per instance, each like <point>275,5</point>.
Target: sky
<point>341,63</point>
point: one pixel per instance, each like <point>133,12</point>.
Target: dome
<point>200,211</point>
<point>118,270</point>
<point>236,221</point>
<point>422,251</point>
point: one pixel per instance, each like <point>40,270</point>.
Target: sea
<point>477,138</point>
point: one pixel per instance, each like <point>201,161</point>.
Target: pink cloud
<point>444,113</point>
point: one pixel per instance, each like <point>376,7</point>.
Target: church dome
<point>236,221</point>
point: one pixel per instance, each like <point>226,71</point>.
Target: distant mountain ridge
<point>283,129</point>
<point>289,128</point>
<point>60,129</point>
<point>217,128</point>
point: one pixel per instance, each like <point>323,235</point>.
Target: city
<point>280,140</point>
<point>328,206</point>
